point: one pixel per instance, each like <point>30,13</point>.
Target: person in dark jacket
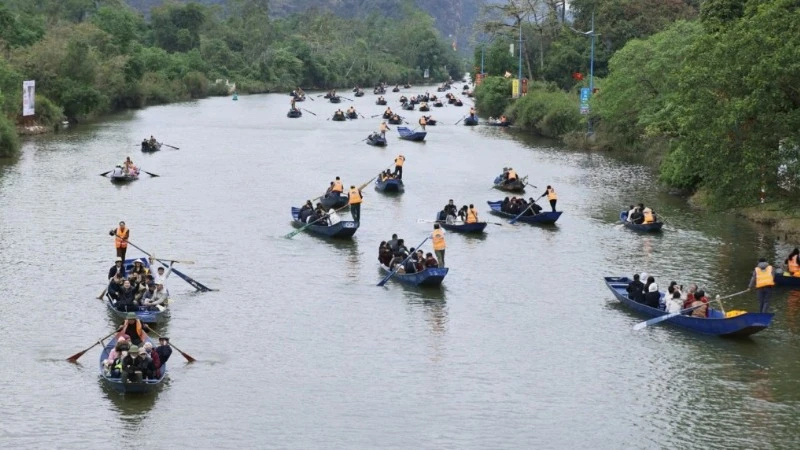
<point>164,350</point>
<point>636,289</point>
<point>410,265</point>
<point>652,297</point>
<point>126,297</point>
<point>115,287</point>
<point>118,266</point>
<point>450,209</point>
<point>132,365</point>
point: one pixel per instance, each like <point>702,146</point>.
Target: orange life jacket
<point>337,186</point>
<point>472,215</point>
<point>551,194</point>
<point>764,277</point>
<point>438,240</point>
<point>355,196</point>
<point>121,237</point>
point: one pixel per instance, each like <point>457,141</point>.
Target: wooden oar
<point>348,99</point>
<point>304,227</point>
<point>151,174</point>
<point>171,146</point>
<point>188,357</point>
<point>308,111</point>
<point>514,220</point>
<point>459,120</point>
<point>376,115</point>
<point>106,173</point>
<point>74,358</point>
<point>666,317</point>
<point>394,271</point>
<point>192,282</point>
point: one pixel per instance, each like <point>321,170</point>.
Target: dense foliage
<point>93,56</point>
<point>711,85</point>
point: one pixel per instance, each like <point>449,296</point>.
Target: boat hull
<point>390,185</point>
<point>427,278</point>
<point>377,142</point>
<point>408,135</point>
<point>641,227</point>
<point>516,186</point>
<point>334,202</point>
<point>714,325</point>
<point>123,179</point>
<point>786,280</point>
<point>542,218</point>
<point>294,114</point>
<point>466,228</point>
<point>343,229</point>
<point>147,148</point>
<point>470,122</point>
<point>142,387</point>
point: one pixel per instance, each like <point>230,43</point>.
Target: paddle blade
<point>105,173</point>
<point>74,358</point>
<point>188,357</point>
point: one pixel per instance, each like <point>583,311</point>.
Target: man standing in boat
<point>438,243</point>
<point>763,280</point>
<point>551,195</point>
<point>121,235</point>
<point>355,198</point>
<point>383,129</point>
<point>398,166</point>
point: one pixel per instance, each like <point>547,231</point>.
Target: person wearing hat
<point>139,268</point>
<point>132,365</point>
<point>117,267</point>
<point>164,350</point>
<point>121,235</point>
<point>146,363</point>
<point>133,328</point>
<point>763,279</point>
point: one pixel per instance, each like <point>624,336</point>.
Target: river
<point>523,346</point>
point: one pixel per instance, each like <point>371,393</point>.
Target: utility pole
<point>519,72</point>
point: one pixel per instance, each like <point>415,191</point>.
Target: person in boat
<point>509,175</point>
<point>631,210</point>
<point>133,327</point>
<point>472,214</point>
<point>652,297</point>
<point>152,141</point>
<point>393,243</point>
<point>422,122</point>
<point>635,289</point>
<point>336,188</point>
<point>534,207</point>
<point>126,297</point>
<point>112,366</point>
<point>439,244</point>
<point>398,166</point>
<point>383,129</point>
<point>648,216</point>
<point>351,110</point>
<point>354,198</point>
<point>306,210</point>
<point>395,118</point>
<point>450,211</point>
<point>701,302</point>
<point>333,217</point>
<point>293,102</point>
<point>674,303</point>
<point>419,260</point>
<point>384,254</point>
<point>472,112</point>
<point>551,196</point>
<point>115,287</point>
<point>398,256</point>
<point>121,235</point>
<point>118,267</point>
<point>139,268</point>
<point>430,261</point>
<point>763,281</point>
<point>132,365</point>
<point>792,263</point>
<point>503,119</point>
<point>164,350</point>
<point>403,99</point>
<point>339,114</point>
<point>410,265</point>
<point>152,364</point>
<point>159,298</point>
<point>388,112</point>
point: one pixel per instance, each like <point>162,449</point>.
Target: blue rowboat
<point>343,229</point>
<point>335,201</point>
<point>463,227</point>
<point>142,313</point>
<point>409,135</point>
<point>294,113</point>
<point>428,277</point>
<point>390,185</point>
<point>335,99</point>
<point>150,148</point>
<point>130,387</point>
<point>376,140</point>
<point>543,217</point>
<point>716,324</point>
<point>786,280</point>
<point>644,227</point>
<point>517,185</point>
<point>471,122</point>
<point>120,178</point>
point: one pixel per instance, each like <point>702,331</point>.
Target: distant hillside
<point>453,17</point>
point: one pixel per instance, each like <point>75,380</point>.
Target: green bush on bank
<point>493,96</point>
<point>9,144</point>
<point>550,113</point>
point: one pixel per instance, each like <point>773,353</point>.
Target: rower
<point>351,110</point>
<point>294,108</point>
<point>398,166</point>
<point>511,175</point>
<point>388,112</point>
<point>551,195</point>
<point>337,188</point>
<point>472,214</point>
<point>121,235</point>
<point>383,129</point>
<point>649,216</point>
<point>355,197</point>
<point>422,122</point>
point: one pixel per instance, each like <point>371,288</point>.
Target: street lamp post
<point>591,67</point>
<point>519,71</point>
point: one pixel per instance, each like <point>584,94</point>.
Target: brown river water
<point>522,347</point>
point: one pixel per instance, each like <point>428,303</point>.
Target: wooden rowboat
<point>716,324</point>
<point>145,315</point>
<point>427,278</point>
<point>463,227</point>
<point>470,121</point>
<point>517,185</point>
<point>148,148</point>
<point>294,113</point>
<point>376,140</point>
<point>643,227</point>
<point>123,177</point>
<point>408,135</point>
<point>343,229</point>
<point>390,185</point>
<point>543,217</point>
<point>130,387</point>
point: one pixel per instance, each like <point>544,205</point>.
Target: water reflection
<point>131,409</point>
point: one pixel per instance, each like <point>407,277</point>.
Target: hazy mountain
<point>454,18</point>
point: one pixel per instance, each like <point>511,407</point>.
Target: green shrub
<point>493,96</point>
<point>9,144</point>
<point>47,112</point>
<point>548,113</point>
<point>196,84</point>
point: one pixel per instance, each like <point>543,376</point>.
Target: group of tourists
<point>521,206</point>
<point>134,358</point>
<point>674,300</point>
<point>127,168</point>
<point>137,288</point>
<point>393,253</point>
<point>310,214</point>
<point>451,213</point>
<point>639,214</point>
<point>502,120</point>
<point>151,143</point>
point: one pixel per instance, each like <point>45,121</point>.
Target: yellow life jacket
<point>399,161</point>
<point>648,216</point>
<point>472,215</point>
<point>551,194</point>
<point>337,186</point>
<point>764,277</point>
<point>355,196</point>
<point>512,175</point>
<point>438,240</point>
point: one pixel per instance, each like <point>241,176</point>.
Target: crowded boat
<point>519,205</point>
<point>137,289</point>
<point>394,252</point>
<point>639,214</point>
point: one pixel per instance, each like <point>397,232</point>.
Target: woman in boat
<point>652,297</point>
<point>674,302</point>
<point>430,261</point>
<point>700,299</point>
<point>152,364</point>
